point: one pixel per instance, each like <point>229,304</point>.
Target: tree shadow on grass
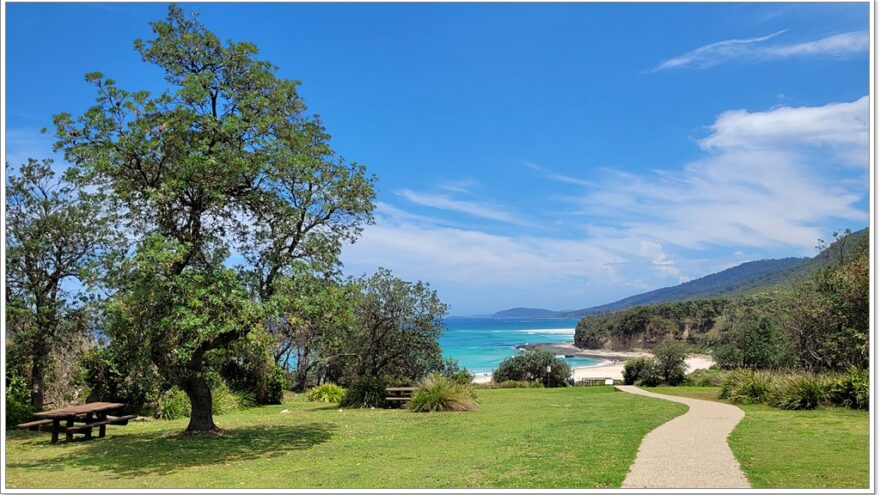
<point>157,452</point>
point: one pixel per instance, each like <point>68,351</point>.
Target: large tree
<point>396,331</point>
<point>224,159</point>
<point>58,236</point>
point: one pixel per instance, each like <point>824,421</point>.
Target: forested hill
<point>739,280</point>
<point>526,313</point>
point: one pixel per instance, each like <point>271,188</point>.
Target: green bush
<point>276,384</point>
<point>640,370</point>
<point>669,359</point>
<point>18,406</point>
<point>748,387</point>
<point>450,368</point>
<point>174,404</point>
<point>532,365</point>
<point>327,392</point>
<point>801,391</point>
<point>852,389</point>
<point>369,392</point>
<point>705,378</point>
<point>439,393</point>
<point>509,384</point>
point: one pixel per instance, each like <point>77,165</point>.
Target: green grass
<point>575,437</point>
<point>823,448</point>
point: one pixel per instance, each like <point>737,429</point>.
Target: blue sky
<point>541,155</point>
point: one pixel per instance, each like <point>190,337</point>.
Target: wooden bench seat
<point>398,399</point>
<point>111,420</point>
<point>35,425</point>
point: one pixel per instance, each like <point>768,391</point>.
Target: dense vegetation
<point>817,324</point>
<point>133,294</point>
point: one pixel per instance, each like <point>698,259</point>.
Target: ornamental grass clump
<point>852,389</point>
<point>438,393</point>
<point>327,392</point>
<point>748,387</point>
<point>802,391</point>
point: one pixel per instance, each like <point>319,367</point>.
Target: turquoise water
<point>479,344</point>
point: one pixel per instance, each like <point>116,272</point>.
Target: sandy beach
<point>610,367</point>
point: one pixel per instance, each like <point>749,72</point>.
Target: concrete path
<point>689,451</point>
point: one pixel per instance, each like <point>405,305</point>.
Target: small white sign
<point>609,381</point>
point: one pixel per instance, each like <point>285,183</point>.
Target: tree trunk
<point>302,371</point>
<point>38,380</point>
<point>201,418</point>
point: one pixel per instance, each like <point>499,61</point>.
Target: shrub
<point>532,365</point>
<point>439,393</point>
<point>705,378</point>
<point>276,383</point>
<point>748,387</point>
<point>852,390</point>
<point>369,392</point>
<point>639,370</point>
<point>509,384</point>
<point>801,391</point>
<point>670,363</point>
<point>18,406</point>
<point>328,392</point>
<point>450,368</point>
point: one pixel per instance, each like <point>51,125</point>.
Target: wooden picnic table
<point>92,414</point>
<point>398,396</point>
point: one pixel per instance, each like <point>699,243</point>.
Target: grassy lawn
<point>574,437</point>
<point>825,448</point>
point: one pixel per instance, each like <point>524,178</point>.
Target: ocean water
<point>479,344</point>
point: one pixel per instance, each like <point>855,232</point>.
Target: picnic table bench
<point>399,395</point>
<point>92,415</point>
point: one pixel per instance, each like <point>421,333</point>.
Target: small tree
<point>532,365</point>
<point>55,233</point>
<point>396,331</point>
<point>670,361</point>
<point>640,370</point>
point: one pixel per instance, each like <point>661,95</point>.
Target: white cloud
<point>840,127</point>
<point>771,179</point>
<point>484,210</point>
<point>756,49</point>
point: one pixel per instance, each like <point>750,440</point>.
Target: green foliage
<point>248,367</point>
<point>368,392</point>
<point>56,232</point>
<point>748,387</point>
<point>669,358</point>
<point>705,378</point>
<point>801,391</point>
<point>439,393</point>
<point>640,370</point>
<point>18,400</point>
<point>112,379</point>
<point>852,389</point>
<point>451,369</point>
<point>509,384</point>
<point>327,392</point>
<point>174,404</point>
<point>224,157</point>
<point>395,335</point>
<point>532,365</point>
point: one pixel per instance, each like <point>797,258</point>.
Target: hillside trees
<point>59,241</point>
<point>224,159</point>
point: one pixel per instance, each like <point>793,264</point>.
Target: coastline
<point>610,367</point>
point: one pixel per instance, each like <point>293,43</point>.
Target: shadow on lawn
<point>157,452</point>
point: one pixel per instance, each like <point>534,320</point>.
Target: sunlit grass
<point>567,438</point>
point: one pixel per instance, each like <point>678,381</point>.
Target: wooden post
<point>102,430</point>
<point>69,435</point>
<point>89,419</point>
<point>56,425</point>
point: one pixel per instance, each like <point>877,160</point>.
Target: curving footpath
<point>689,451</point>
